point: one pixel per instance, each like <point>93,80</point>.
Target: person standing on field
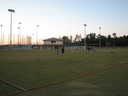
<point>57,49</point>
<point>62,50</point>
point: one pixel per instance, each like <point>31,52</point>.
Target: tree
<point>114,40</point>
<point>91,38</point>
<point>66,40</point>
<point>109,40</point>
<point>114,35</point>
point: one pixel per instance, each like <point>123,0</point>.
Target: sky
<point>57,18</point>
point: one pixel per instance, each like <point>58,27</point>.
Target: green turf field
<point>43,73</point>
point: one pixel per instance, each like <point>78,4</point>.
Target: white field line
<point>13,85</point>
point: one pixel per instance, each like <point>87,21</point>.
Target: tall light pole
<point>85,25</point>
<point>11,11</point>
<point>19,33</point>
<point>1,33</point>
<point>100,36</point>
<point>18,36</point>
<point>37,34</point>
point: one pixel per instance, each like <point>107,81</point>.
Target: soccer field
<point>43,73</point>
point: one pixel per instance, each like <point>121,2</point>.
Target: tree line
<point>98,40</point>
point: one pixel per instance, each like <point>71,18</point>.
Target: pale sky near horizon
<point>64,17</point>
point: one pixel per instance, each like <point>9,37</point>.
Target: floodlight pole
<point>1,33</point>
<point>85,25</point>
<point>18,36</point>
<point>37,35</point>
<point>100,36</point>
<point>19,33</point>
<point>10,28</point>
<point>11,11</point>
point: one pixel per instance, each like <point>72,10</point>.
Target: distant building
<point>51,42</point>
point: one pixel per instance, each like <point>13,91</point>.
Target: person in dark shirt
<point>62,50</point>
<point>57,50</point>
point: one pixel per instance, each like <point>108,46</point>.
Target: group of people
<point>59,50</point>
